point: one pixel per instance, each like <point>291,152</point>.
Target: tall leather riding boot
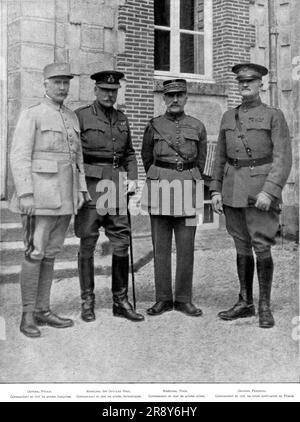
<point>265,276</point>
<point>121,305</point>
<point>29,280</point>
<point>87,285</point>
<point>244,307</point>
<point>245,269</point>
<point>45,283</point>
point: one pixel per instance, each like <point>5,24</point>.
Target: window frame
<point>175,32</point>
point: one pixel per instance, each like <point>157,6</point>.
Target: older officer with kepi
<point>174,153</point>
<point>253,162</point>
<point>108,156</point>
<point>47,168</point>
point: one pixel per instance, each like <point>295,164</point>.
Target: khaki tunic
<point>267,134</point>
<point>46,159</point>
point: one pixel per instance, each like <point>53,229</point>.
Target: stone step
<point>12,252</point>
<point>12,231</point>
<point>11,228</point>
<point>66,262</point>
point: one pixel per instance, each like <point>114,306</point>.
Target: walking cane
<point>131,253</point>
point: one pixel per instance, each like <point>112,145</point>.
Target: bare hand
<point>217,204</point>
<point>87,196</point>
<point>80,200</point>
<point>27,205</point>
<point>263,202</point>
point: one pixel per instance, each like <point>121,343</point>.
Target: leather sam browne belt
<point>251,162</point>
<point>179,166</point>
<point>94,160</point>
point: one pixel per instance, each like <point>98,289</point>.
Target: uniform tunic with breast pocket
<point>267,135</point>
<point>189,136</point>
<point>46,159</point>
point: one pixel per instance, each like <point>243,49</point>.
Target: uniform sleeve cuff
<point>215,186</point>
<point>272,189</point>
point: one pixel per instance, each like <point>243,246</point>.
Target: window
<point>183,38</point>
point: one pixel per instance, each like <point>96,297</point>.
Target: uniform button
<point>237,149</point>
<point>113,139</point>
<point>176,153</point>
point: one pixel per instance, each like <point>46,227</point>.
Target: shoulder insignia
<point>33,105</point>
<point>83,107</point>
<point>270,107</point>
<point>156,118</point>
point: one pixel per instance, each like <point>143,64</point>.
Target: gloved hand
<point>131,187</point>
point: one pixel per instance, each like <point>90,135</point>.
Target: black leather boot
<point>265,276</point>
<point>28,325</point>
<point>121,306</point>
<point>244,307</point>
<point>50,318</point>
<point>87,285</point>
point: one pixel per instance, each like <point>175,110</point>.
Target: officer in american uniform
<point>108,156</point>
<point>47,168</point>
<point>174,153</point>
<point>253,162</point>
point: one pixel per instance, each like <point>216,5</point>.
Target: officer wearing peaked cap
<point>108,155</point>
<point>47,167</point>
<point>173,152</point>
<point>253,162</point>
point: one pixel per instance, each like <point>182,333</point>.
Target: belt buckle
<point>115,162</point>
<point>179,166</point>
<point>252,164</point>
<point>236,163</point>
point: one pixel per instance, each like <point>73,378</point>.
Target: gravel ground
<point>167,348</point>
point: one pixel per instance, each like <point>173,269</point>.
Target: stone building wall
<point>285,32</point>
<point>233,36</point>
<point>82,32</point>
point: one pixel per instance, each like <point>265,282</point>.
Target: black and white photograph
<point>149,202</point>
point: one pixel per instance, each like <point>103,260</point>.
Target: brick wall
<point>136,18</point>
<point>233,36</point>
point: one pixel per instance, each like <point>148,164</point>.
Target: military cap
<point>174,85</point>
<point>108,79</point>
<point>54,70</point>
<point>249,71</point>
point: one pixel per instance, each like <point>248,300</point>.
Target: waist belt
<point>115,161</point>
<point>179,166</point>
<point>251,162</point>
<point>56,156</point>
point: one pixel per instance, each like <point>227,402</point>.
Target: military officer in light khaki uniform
<point>109,159</point>
<point>47,168</point>
<point>253,162</point>
<point>174,153</point>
